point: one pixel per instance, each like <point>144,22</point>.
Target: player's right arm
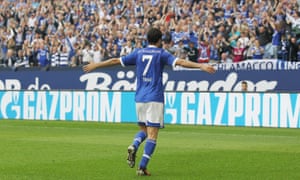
<point>110,62</point>
<point>189,64</point>
<point>127,60</point>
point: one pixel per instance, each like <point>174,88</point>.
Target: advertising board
<point>280,110</point>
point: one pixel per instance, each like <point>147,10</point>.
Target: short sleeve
<point>169,59</point>
<point>129,59</point>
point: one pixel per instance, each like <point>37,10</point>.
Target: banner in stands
<point>259,64</point>
<point>261,75</point>
<point>280,110</point>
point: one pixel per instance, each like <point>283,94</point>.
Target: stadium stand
<point>73,32</point>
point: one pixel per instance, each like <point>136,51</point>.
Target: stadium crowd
<point>74,32</point>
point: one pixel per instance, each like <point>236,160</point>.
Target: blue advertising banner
<point>68,105</point>
<point>234,109</point>
<point>280,110</point>
<point>228,78</point>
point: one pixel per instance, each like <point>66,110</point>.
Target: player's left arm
<point>189,64</point>
<point>110,62</point>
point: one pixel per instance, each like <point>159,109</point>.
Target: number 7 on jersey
<point>147,58</point>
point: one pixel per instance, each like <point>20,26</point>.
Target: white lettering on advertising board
<point>61,105</point>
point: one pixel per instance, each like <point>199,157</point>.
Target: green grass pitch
<point>41,150</point>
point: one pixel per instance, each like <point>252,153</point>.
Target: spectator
<point>294,20</point>
<point>2,54</point>
<point>298,53</point>
<point>70,40</point>
<point>244,38</point>
<point>283,51</point>
<point>192,52</point>
<point>32,19</point>
<point>87,54</point>
<point>126,48</point>
<point>177,35</point>
<point>276,37</point>
<point>11,43</point>
<point>214,54</point>
<point>32,55</point>
<point>225,58</point>
<point>42,55</point>
<point>97,53</point>
<point>151,17</point>
<point>180,50</point>
<point>238,52</point>
<point>120,40</point>
<point>234,35</point>
<point>168,45</point>
<point>21,60</point>
<point>263,35</point>
<point>54,56</point>
<point>251,20</point>
<point>244,86</point>
<point>77,59</point>
<point>257,50</point>
<point>139,10</point>
<point>114,52</point>
<point>204,51</point>
<point>251,44</point>
<point>292,49</point>
<point>64,58</point>
<point>19,38</point>
<point>221,44</point>
<point>138,44</point>
<point>10,58</point>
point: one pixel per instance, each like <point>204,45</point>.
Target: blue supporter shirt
<point>149,62</point>
<point>228,13</point>
<point>43,57</point>
<point>194,38</point>
<point>177,36</point>
<point>276,38</point>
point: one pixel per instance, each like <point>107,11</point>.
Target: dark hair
<point>154,35</point>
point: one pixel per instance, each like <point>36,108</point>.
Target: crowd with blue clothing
<point>70,33</point>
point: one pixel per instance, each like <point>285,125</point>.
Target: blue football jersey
<point>149,62</point>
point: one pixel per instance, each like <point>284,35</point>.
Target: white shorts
<point>150,114</point>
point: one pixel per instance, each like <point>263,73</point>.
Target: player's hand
<point>89,67</point>
<point>208,68</point>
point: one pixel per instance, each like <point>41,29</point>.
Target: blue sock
<point>139,138</point>
<point>149,149</point>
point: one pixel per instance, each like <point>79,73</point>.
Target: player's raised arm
<point>189,64</point>
<point>92,66</point>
